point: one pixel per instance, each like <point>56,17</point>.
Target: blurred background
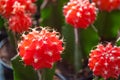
<point>71,67</point>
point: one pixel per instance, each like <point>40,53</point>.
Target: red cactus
<point>107,5</point>
<point>40,48</point>
<point>79,13</point>
<point>19,22</point>
<point>104,61</point>
<point>18,13</point>
<point>7,6</point>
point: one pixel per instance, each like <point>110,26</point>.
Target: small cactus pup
<point>18,13</point>
<point>79,13</point>
<point>104,61</point>
<point>40,48</point>
<point>107,5</point>
<point>10,7</point>
<point>19,23</point>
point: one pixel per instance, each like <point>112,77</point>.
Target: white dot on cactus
<point>116,68</point>
<point>96,63</point>
<point>30,33</point>
<point>35,60</point>
<point>111,1</point>
<point>118,57</point>
<point>54,43</point>
<point>47,32</point>
<point>23,58</point>
<point>103,54</point>
<point>46,37</point>
<point>85,7</point>
<point>107,55</point>
<point>80,9</point>
<point>101,57</point>
<point>26,47</point>
<point>78,14</point>
<point>68,3</point>
<point>33,30</point>
<point>110,54</point>
<point>112,58</point>
<point>90,59</point>
<point>37,31</point>
<point>26,38</point>
<point>94,69</point>
<point>49,53</point>
<point>104,49</point>
<point>33,40</point>
<point>105,72</point>
<point>57,36</point>
<point>106,64</point>
<point>98,49</point>
<point>44,42</point>
<point>92,51</point>
<point>41,33</point>
<point>40,39</point>
<point>114,51</point>
<point>28,1</point>
<point>52,36</point>
<point>37,47</point>
<point>99,3</point>
<point>73,7</point>
<point>95,56</point>
<point>54,32</point>
<point>23,35</point>
<point>75,2</point>
<point>65,7</point>
<point>92,4</point>
<point>68,13</point>
<point>19,44</point>
<point>88,13</point>
<point>61,51</point>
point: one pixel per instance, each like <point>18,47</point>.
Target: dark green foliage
<point>22,72</point>
<point>106,29</point>
<point>1,22</point>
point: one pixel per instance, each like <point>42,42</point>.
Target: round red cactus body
<point>19,22</point>
<point>79,13</point>
<point>40,49</point>
<point>8,7</point>
<point>107,5</point>
<point>18,13</point>
<point>104,61</point>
